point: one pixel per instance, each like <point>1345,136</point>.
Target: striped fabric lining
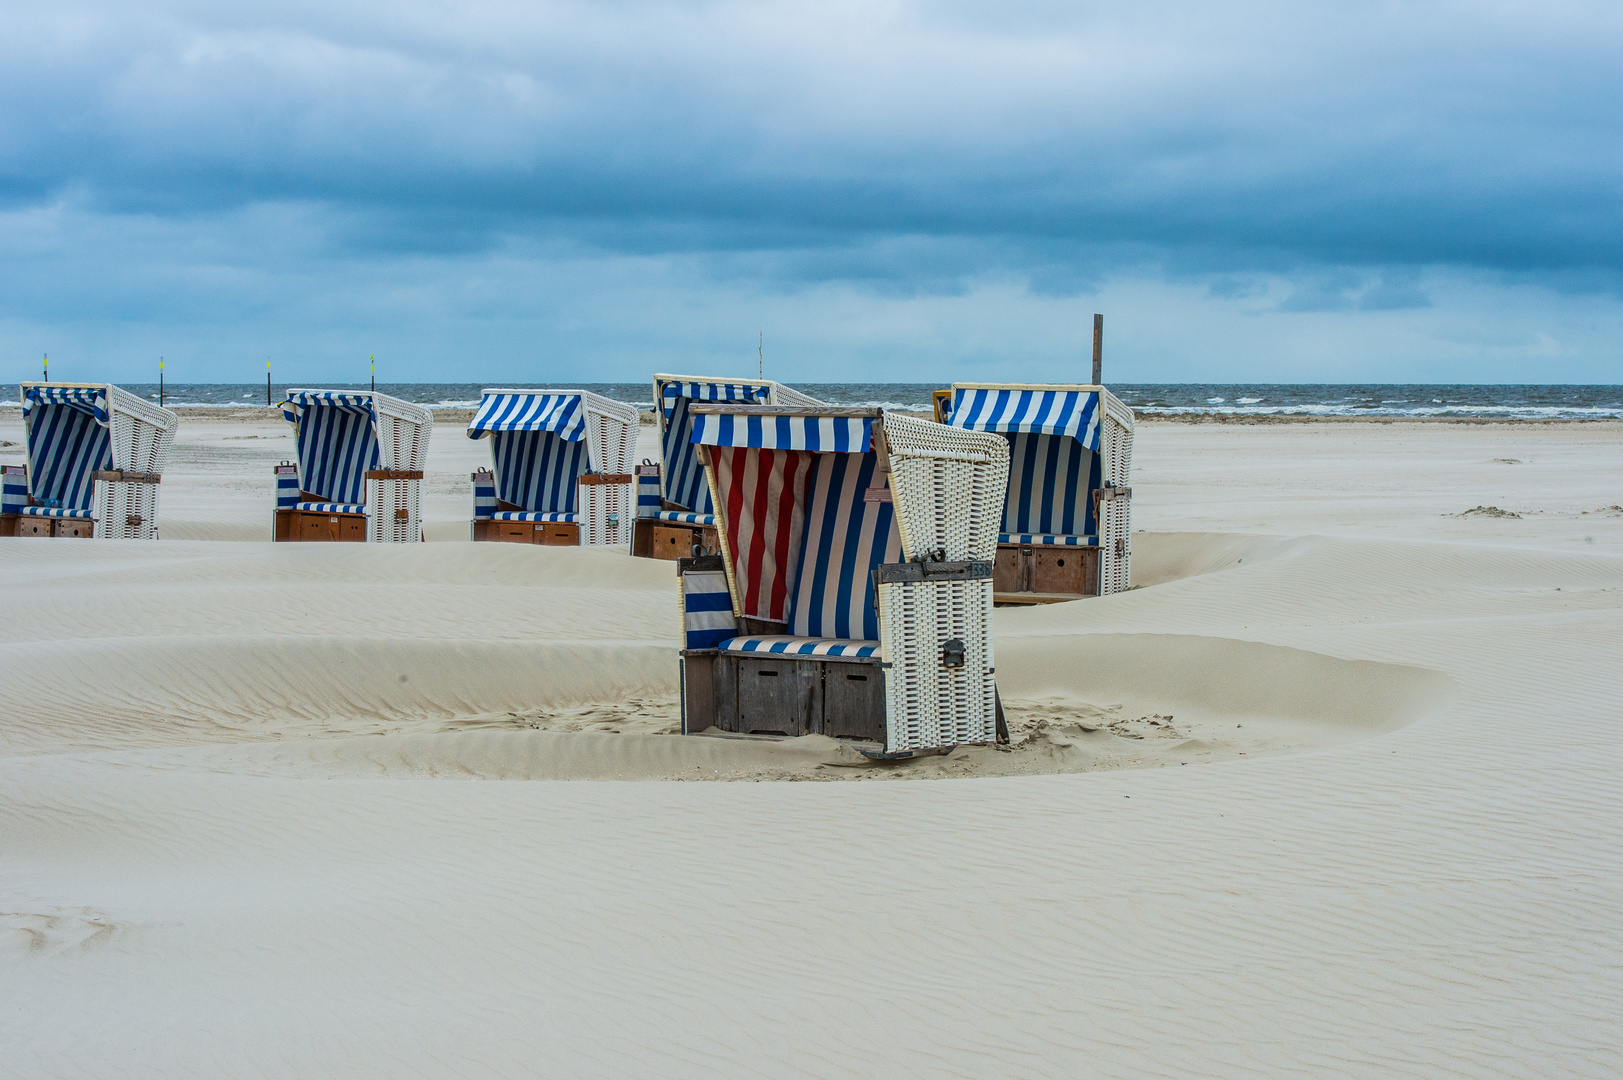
<point>13,489</point>
<point>707,609</point>
<point>54,512</point>
<point>563,415</point>
<point>762,493</point>
<point>1045,412</point>
<point>67,441</point>
<point>337,442</point>
<point>844,538</point>
<point>484,496</point>
<point>683,472</point>
<point>532,515</point>
<point>799,646</point>
<point>685,518</point>
<point>649,499</point>
<point>1036,540</point>
<point>287,487</point>
<point>1050,480</point>
<point>88,398</point>
<point>839,434</point>
<point>538,470</point>
<point>331,507</point>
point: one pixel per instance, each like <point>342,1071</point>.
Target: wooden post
<point>267,383</point>
<point>1098,349</point>
<point>160,382</point>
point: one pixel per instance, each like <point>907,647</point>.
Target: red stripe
<point>786,509</point>
<point>759,500</point>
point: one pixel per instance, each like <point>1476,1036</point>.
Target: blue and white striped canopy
<point>711,391</point>
<point>336,442</point>
<point>1073,413</point>
<point>299,400</point>
<point>561,414</point>
<point>90,399</point>
<point>823,434</point>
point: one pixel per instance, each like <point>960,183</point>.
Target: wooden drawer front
<point>1009,570</point>
<point>555,535</point>
<point>672,541</point>
<point>1065,570</point>
<point>311,527</point>
<point>33,526</point>
<point>778,697</point>
<point>81,528</point>
<point>757,695</point>
<point>854,701</point>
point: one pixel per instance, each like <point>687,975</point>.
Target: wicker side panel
<point>1116,514</point>
<point>137,445</point>
<point>928,705</point>
<point>610,441</point>
<point>606,513</point>
<point>402,444</point>
<point>126,511</point>
<point>948,486</point>
<point>394,511</point>
<point>1115,545</point>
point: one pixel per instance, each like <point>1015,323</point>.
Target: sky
<point>878,191</point>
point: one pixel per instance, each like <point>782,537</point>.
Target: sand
<point>1334,791</point>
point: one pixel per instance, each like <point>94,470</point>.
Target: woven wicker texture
<point>402,445</point>
<point>606,513</point>
<point>1116,514</point>
<point>928,705</point>
<point>948,485</point>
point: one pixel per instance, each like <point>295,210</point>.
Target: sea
<point>1489,402</point>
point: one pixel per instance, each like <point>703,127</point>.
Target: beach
<point>1332,791</point>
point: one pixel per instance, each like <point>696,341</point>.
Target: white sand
<point>249,823</point>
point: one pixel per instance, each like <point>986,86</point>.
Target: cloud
<point>251,158</point>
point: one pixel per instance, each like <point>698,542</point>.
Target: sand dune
<point>1332,792</point>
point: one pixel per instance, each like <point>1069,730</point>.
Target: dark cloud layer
<point>252,151</point>
<point>1353,133</point>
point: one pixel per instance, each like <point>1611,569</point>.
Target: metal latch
<point>952,653</point>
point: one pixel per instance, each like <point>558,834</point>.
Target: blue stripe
<point>1073,413</point>
<point>563,415</point>
<point>337,443</point>
<point>833,594</point>
<point>841,434</point>
<point>66,444</point>
<point>537,470</point>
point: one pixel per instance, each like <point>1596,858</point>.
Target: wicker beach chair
<point>1067,518</point>
<point>359,473</point>
<point>675,517</point>
<point>562,468</point>
<point>96,454</point>
<point>852,595</point>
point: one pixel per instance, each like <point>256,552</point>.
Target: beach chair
<point>359,473</point>
<point>95,454</point>
<point>1067,518</point>
<point>562,468</point>
<point>852,594</point>
<point>674,515</point>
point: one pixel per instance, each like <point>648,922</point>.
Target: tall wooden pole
<point>267,383</point>
<point>1098,349</point>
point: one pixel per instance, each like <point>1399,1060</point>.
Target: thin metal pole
<point>47,367</point>
<point>160,382</point>
<point>267,383</point>
<point>1098,349</point>
<point>374,373</point>
<point>760,356</point>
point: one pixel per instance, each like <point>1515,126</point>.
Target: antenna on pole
<point>1098,349</point>
<point>760,356</point>
<point>160,382</point>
